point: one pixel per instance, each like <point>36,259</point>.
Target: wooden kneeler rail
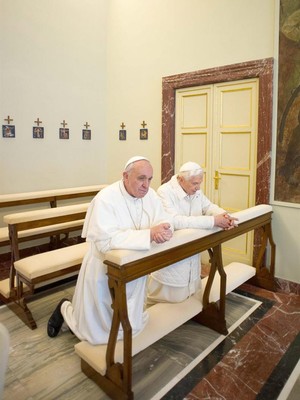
<point>110,366</point>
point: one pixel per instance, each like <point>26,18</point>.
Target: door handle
<point>217,178</point>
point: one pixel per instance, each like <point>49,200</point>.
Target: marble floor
<point>258,363</point>
<point>258,359</point>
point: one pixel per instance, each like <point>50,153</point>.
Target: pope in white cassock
<point>190,208</point>
<point>125,215</point>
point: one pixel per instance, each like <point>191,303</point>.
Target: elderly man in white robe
<point>125,215</point>
<point>190,208</point>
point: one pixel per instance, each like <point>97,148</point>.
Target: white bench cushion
<point>4,288</point>
<point>51,261</point>
<point>45,213</point>
<point>4,234</point>
<point>164,318</point>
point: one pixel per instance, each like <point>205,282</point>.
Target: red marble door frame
<point>262,69</point>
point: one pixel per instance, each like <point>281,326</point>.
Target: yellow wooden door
<point>216,126</point>
<point>193,128</point>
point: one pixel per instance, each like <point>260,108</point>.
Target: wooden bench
<point>48,196</point>
<point>52,197</point>
<point>28,273</point>
<point>110,366</point>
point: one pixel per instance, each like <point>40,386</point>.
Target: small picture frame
<point>122,134</point>
<point>86,134</point>
<point>38,132</point>
<point>8,131</point>
<point>64,133</point>
<point>143,134</point>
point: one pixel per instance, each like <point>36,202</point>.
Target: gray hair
<point>186,175</point>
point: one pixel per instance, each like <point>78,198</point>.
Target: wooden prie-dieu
<point>110,366</point>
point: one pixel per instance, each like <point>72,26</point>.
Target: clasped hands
<point>161,233</point>
<point>225,221</point>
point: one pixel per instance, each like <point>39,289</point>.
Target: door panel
<point>191,104</point>
<point>216,126</point>
<point>236,105</point>
<point>232,197</point>
<point>239,157</point>
<point>235,138</point>
<point>193,124</point>
<point>193,147</point>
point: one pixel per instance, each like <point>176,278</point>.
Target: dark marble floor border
<point>186,385</point>
<point>281,372</point>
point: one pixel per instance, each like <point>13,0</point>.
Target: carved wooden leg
<point>117,382</point>
<point>213,314</point>
<point>20,308</point>
<point>120,316</point>
<point>108,386</point>
<point>265,275</point>
<point>12,281</point>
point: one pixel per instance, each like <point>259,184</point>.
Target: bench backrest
<point>53,218</point>
<point>51,196</point>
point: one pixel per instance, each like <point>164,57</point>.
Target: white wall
<point>286,233</point>
<point>53,66</point>
<point>103,61</point>
<point>150,39</point>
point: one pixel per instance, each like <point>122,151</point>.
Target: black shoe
<point>56,320</point>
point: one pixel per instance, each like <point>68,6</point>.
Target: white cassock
<point>114,220</point>
<point>183,279</point>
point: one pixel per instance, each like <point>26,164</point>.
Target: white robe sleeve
<point>204,210</point>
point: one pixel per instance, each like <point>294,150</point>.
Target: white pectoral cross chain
<point>138,211</point>
<point>137,221</point>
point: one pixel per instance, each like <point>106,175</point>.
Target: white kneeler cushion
<point>164,318</point>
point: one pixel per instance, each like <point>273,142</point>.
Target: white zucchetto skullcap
<point>190,166</point>
<point>134,159</point>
